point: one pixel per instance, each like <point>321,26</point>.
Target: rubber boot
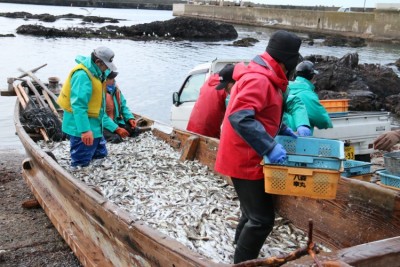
<point>250,241</point>
<point>243,219</point>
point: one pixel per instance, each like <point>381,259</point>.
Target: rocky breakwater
<point>370,87</point>
<point>175,29</point>
<point>52,18</point>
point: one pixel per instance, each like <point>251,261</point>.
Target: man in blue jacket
<point>83,101</point>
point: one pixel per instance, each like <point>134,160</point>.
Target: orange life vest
<point>110,104</point>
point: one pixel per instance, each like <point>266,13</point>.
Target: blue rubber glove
<point>303,131</point>
<point>277,154</point>
<point>288,132</point>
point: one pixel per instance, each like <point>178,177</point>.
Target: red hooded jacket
<point>209,109</point>
<point>252,119</point>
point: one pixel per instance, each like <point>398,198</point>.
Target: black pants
<point>256,221</point>
<point>115,138</point>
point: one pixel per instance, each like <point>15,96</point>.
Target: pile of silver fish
<point>184,200</point>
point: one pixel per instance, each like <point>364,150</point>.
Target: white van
<point>345,9</point>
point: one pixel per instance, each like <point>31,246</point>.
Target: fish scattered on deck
<point>184,200</point>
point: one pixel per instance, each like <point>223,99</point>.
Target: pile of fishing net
<point>33,118</point>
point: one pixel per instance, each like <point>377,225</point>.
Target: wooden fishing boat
<point>361,226</point>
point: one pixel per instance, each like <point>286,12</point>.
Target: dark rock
<point>349,60</point>
<point>393,104</point>
<point>363,100</point>
<point>17,15</point>
<point>344,41</point>
<point>316,35</point>
<point>334,41</point>
<point>245,42</point>
<point>50,18</point>
<point>95,19</point>
<point>312,36</point>
<point>174,29</point>
<point>397,63</point>
<point>7,35</point>
<point>38,30</point>
<point>70,16</point>
<point>368,86</point>
<point>356,42</point>
<point>47,18</point>
<point>183,28</point>
<point>326,94</point>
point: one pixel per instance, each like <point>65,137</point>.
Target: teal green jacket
<point>76,122</point>
<point>317,114</point>
<point>119,117</point>
<point>295,114</point>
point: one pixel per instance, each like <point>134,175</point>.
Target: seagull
<point>89,12</point>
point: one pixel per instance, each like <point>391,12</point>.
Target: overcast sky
<point>338,3</point>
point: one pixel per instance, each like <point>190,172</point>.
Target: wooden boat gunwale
<point>101,234</point>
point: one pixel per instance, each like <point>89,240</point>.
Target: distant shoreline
<point>131,4</point>
<point>164,4</point>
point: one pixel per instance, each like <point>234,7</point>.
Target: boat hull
<point>361,225</point>
<point>98,232</point>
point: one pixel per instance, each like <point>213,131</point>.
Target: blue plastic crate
<point>312,152</point>
<point>354,168</point>
<point>389,179</point>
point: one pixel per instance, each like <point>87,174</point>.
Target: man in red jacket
<point>252,120</point>
<point>209,109</point>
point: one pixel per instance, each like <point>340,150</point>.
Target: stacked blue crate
<point>355,168</point>
<point>309,152</point>
<point>389,179</point>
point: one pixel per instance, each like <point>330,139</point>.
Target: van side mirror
<point>175,99</point>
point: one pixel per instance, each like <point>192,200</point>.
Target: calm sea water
<point>149,72</point>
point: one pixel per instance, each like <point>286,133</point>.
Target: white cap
<point>106,55</point>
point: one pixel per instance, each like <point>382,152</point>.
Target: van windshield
<point>191,89</point>
<point>344,9</point>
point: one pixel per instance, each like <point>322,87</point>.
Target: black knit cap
<point>284,47</point>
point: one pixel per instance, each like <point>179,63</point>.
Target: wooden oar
<point>50,103</point>
<point>18,91</point>
<point>23,93</point>
<point>36,92</point>
<point>32,70</point>
<point>30,74</point>
<point>46,96</point>
<point>21,99</point>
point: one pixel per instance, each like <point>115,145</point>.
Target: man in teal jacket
<point>297,111</point>
<point>303,88</point>
<point>83,101</point>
